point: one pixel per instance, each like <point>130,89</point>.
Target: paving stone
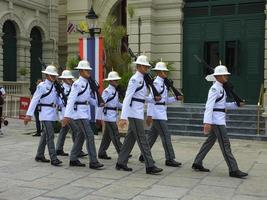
<point>212,191</point>
<point>92,182</point>
<point>69,192</point>
<point>20,193</point>
<point>221,181</point>
<point>178,181</point>
<point>165,191</point>
<point>117,191</point>
<point>144,197</point>
<point>254,186</point>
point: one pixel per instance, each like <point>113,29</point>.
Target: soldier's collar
<point>139,74</point>
<point>48,82</point>
<point>159,78</point>
<point>83,79</point>
<point>112,87</point>
<point>218,83</point>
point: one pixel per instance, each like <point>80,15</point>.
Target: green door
<point>236,39</point>
<point>36,52</point>
<point>9,52</point>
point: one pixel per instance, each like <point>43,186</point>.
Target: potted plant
<point>73,62</point>
<point>23,71</point>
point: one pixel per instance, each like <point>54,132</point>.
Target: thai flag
<point>92,49</point>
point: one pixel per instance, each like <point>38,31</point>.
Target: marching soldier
<point>133,110</point>
<point>215,126</point>
<point>157,115</point>
<point>110,116</point>
<point>67,77</point>
<point>78,109</point>
<point>46,100</point>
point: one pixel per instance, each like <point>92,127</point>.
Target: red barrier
<point>24,103</point>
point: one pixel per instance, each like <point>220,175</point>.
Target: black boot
<point>82,154</point>
<point>153,170</point>
<point>95,165</point>
<point>141,158</point>
<point>104,157</point>
<point>123,167</point>
<point>42,159</point>
<point>237,174</point>
<point>56,162</point>
<point>61,153</point>
<point>76,163</point>
<point>200,168</point>
<point>172,163</point>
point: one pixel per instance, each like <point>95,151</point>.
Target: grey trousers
<point>218,131</point>
<point>111,133</point>
<point>85,132</point>
<point>160,127</point>
<point>63,132</point>
<point>136,132</point>
<point>47,137</point>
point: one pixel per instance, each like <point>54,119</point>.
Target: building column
<point>145,11</point>
<point>264,114</point>
<point>23,56</point>
<point>1,56</point>
<point>50,51</point>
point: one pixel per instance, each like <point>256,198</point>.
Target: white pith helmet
<point>84,64</point>
<point>219,70</point>
<point>160,66</point>
<point>113,76</point>
<point>66,74</point>
<point>142,60</point>
<point>50,70</point>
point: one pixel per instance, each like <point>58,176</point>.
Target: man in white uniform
<point>46,100</point>
<point>215,126</point>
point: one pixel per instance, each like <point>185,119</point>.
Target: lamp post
<point>92,19</point>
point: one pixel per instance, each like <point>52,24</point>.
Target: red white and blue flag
<point>92,49</point>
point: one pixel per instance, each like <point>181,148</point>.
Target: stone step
<point>260,137</point>
<point>232,129</point>
<point>231,116</point>
<point>199,121</point>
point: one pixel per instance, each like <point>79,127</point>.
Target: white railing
<point>16,88</point>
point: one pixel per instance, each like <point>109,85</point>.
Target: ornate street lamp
<point>92,19</point>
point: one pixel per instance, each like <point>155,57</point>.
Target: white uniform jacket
<point>47,113</point>
<point>130,107</point>
<point>216,117</point>
<point>109,112</point>
<point>158,110</point>
<point>79,100</point>
<point>67,89</point>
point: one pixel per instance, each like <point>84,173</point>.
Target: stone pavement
<point>22,178</point>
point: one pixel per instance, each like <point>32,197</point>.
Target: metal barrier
<point>13,105</point>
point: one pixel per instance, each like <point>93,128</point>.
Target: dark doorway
<point>230,31</point>
<point>9,52</point>
<point>36,52</point>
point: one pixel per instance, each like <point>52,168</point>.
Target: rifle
<point>147,77</point>
<point>228,87</point>
<point>58,86</point>
<point>169,85</point>
<point>95,86</point>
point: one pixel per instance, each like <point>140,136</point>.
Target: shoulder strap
<point>46,94</point>
<point>80,93</point>
<point>162,89</point>
<point>220,98</point>
<point>68,93</point>
<point>111,98</point>
<point>139,88</point>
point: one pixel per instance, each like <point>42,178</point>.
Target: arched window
<point>9,52</point>
<point>36,52</point>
